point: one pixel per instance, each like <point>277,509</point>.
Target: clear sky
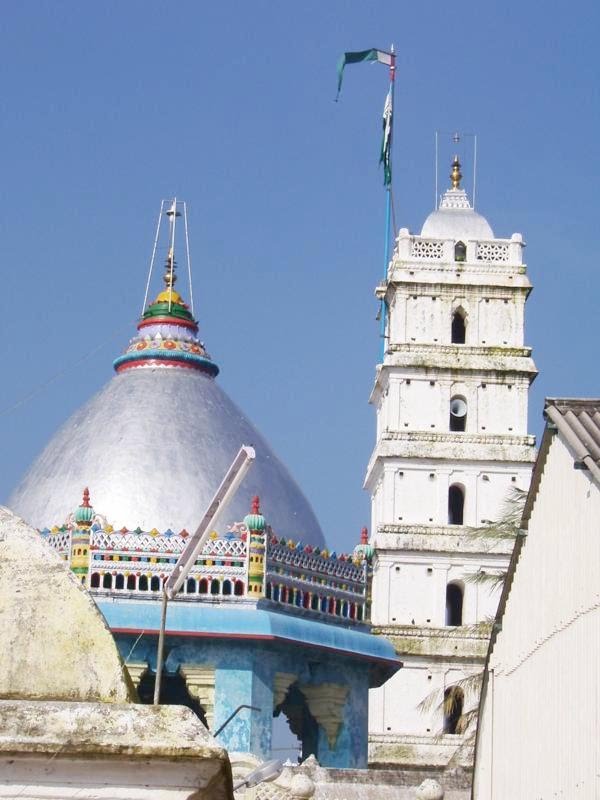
<point>109,107</point>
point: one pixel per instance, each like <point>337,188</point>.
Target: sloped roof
<point>578,421</point>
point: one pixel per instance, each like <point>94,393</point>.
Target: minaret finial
<point>170,277</point>
<point>256,504</point>
<point>456,175</point>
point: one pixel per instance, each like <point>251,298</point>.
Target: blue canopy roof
<point>187,619</point>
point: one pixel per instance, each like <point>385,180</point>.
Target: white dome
<point>153,446</point>
<point>455,219</point>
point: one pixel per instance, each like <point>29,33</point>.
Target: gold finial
<point>456,175</point>
<point>170,277</point>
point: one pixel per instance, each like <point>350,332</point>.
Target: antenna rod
<point>474,166</point>
<point>160,213</point>
<point>172,265</point>
<point>435,197</point>
<point>187,250</point>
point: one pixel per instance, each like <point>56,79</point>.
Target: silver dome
<point>152,446</point>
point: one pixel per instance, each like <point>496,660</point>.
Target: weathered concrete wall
<point>54,643</point>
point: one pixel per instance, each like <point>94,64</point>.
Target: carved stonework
<point>200,682</point>
<point>136,670</point>
<point>281,683</point>
<point>326,704</point>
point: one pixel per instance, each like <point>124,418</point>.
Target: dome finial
<point>456,175</point>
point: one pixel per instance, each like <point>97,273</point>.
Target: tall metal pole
<point>388,211</point>
<point>161,647</point>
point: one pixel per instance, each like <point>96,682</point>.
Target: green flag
<point>385,157</point>
<point>357,58</point>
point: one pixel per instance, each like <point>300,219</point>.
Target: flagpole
<point>388,210</point>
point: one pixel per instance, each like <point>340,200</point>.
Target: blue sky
<point>108,108</point>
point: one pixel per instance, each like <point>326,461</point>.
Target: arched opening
<point>155,584</point>
<point>173,691</point>
<point>314,602</point>
<point>324,605</point>
<point>301,722</point>
<point>454,604</point>
<point>190,586</point>
<point>203,586</point>
<point>276,594</point>
<point>460,251</point>
<point>456,504</point>
<point>359,613</point>
<point>143,583</point>
<point>239,588</point>
<point>306,600</point>
<point>459,327</point>
<point>215,587</point>
<point>95,581</point>
<point>227,587</point>
<point>107,581</point>
<point>453,709</point>
<point>131,583</point>
<point>268,591</point>
<point>119,582</point>
<point>458,413</point>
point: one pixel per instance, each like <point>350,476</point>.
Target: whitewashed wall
<point>540,723</point>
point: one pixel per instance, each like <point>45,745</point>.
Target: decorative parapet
<point>507,252</point>
<point>296,575</point>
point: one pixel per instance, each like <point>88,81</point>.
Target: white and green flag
<point>386,142</point>
<point>358,58</point>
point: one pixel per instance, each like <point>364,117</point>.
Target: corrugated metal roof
<point>578,421</point>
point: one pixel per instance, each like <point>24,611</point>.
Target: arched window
<point>314,602</point>
<point>453,709</point>
<point>268,591</point>
<point>120,582</point>
<point>454,604</point>
<point>215,586</point>
<point>359,613</point>
<point>459,327</point>
<point>143,583</point>
<point>456,504</point>
<point>227,587</point>
<point>460,251</point>
<point>458,413</point>
<point>155,584</point>
<point>190,586</point>
<point>107,581</point>
<point>324,604</point>
<point>306,600</point>
<point>203,586</point>
<point>131,583</point>
<point>95,582</point>
<point>239,588</point>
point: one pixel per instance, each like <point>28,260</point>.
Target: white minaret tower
<point>451,402</point>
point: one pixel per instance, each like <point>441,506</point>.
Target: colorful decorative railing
<point>297,577</point>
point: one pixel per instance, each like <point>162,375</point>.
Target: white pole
<point>187,250</point>
<point>160,213</point>
<point>435,197</point>
<point>173,223</point>
<point>474,166</point>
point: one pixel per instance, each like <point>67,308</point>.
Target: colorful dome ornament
<point>363,551</point>
<point>255,521</point>
<point>167,332</point>
<point>84,514</point>
<point>168,337</point>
